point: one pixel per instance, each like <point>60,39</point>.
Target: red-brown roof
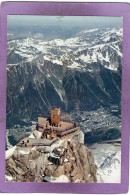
<point>63,125</point>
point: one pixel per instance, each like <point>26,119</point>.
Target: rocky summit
<point>65,161</point>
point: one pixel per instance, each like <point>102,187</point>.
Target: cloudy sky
<point>28,20</point>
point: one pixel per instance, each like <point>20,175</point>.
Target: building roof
<point>36,142</point>
<point>61,127</point>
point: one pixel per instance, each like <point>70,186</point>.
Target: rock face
<point>83,90</point>
<point>76,164</point>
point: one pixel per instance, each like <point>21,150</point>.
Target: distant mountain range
<point>82,72</point>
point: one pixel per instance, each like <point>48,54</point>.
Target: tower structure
<point>55,115</point>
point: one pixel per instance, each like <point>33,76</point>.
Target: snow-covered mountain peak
<point>102,46</point>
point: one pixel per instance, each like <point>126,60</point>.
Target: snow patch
<point>61,179</point>
<point>8,178</point>
<point>9,152</point>
<point>23,152</point>
<point>108,159</point>
<point>112,173</point>
<point>57,62</point>
<point>31,136</point>
<point>74,65</point>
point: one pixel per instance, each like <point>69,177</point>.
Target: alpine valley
<point>81,73</point>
